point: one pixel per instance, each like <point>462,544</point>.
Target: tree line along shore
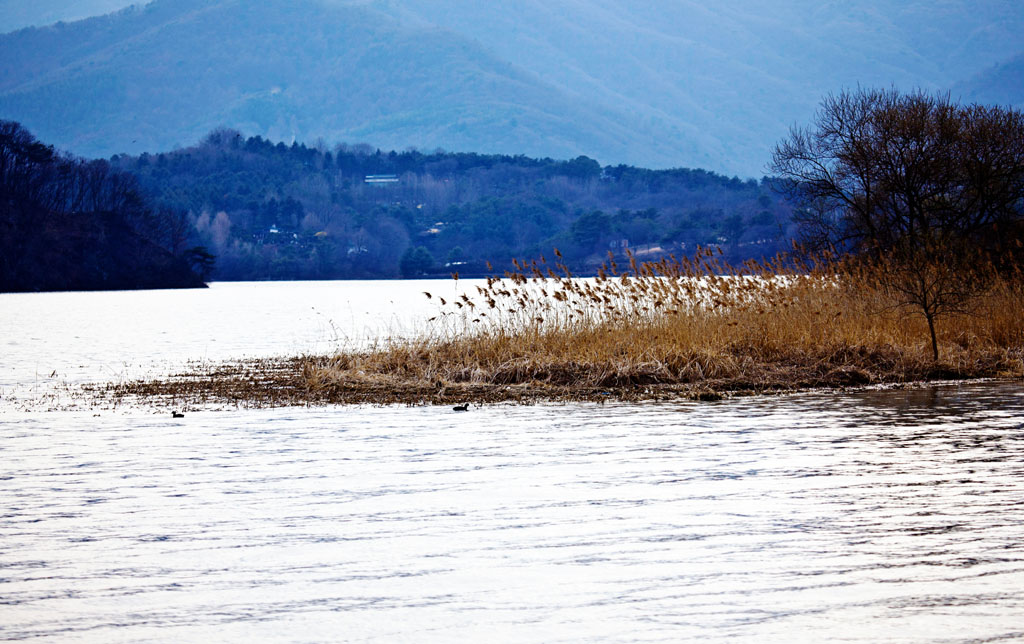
<point>74,224</point>
<point>237,208</point>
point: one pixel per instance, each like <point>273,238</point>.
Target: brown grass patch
<point>674,328</point>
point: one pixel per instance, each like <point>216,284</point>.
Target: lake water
<point>85,337</point>
<point>891,516</point>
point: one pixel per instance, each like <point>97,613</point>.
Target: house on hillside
<point>381,179</point>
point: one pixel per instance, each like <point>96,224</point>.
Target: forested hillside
<point>276,211</point>
<point>68,224</point>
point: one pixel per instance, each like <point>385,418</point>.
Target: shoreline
<point>284,382</point>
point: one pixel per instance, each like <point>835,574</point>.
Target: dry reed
<point>691,327</point>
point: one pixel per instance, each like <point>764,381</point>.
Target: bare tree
<point>923,189</point>
<point>878,167</point>
<point>930,280</point>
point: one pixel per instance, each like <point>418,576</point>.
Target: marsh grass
<point>692,327</point>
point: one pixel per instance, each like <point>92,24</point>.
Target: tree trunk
<point>931,329</point>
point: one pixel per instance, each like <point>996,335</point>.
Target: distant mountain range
<point>16,14</point>
<point>1002,84</point>
<point>660,83</point>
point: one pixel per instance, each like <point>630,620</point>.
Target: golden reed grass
<point>692,326</point>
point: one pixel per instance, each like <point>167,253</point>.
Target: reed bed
<point>694,326</point>
<point>691,327</point>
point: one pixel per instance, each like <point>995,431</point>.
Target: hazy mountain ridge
<point>1002,84</point>
<point>732,76</point>
<point>18,14</point>
<point>664,83</point>
<point>152,78</point>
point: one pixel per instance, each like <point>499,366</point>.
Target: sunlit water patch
<point>873,516</point>
<point>55,339</point>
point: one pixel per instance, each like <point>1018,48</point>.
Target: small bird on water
<point>176,414</point>
<point>464,407</point>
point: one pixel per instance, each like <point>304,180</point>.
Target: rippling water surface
<point>891,516</point>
